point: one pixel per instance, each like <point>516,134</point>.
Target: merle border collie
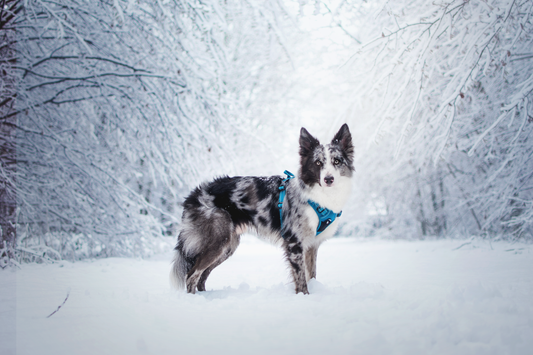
<point>297,212</point>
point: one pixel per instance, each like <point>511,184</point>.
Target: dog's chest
<point>312,223</point>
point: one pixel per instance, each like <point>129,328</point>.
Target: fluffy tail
<point>178,272</point>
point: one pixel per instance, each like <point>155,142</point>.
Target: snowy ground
<point>371,297</point>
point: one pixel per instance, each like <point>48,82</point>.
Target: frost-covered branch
<point>450,83</point>
<point>117,101</point>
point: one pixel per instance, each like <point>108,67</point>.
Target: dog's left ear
<point>343,138</point>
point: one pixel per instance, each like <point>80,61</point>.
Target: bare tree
<point>447,103</point>
<point>120,108</point>
<point>8,152</point>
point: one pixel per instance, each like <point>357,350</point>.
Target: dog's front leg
<point>295,257</point>
<point>310,262</point>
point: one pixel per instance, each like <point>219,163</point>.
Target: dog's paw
<point>302,289</point>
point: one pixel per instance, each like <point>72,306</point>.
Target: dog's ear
<point>307,142</point>
<point>343,138</point>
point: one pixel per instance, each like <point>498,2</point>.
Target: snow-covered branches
<point>110,111</point>
<point>117,103</point>
<point>450,87</point>
<point>8,152</point>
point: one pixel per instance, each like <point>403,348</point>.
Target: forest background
<point>111,111</point>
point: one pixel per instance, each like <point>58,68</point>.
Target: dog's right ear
<point>307,142</point>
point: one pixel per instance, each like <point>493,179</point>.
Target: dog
<point>297,212</point>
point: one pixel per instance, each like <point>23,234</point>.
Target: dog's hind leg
<point>229,252</point>
<point>203,262</point>
<point>205,274</point>
<point>310,262</point>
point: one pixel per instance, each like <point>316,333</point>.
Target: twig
<point>61,305</point>
<point>462,245</point>
<point>340,25</point>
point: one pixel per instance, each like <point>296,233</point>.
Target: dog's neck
<point>333,198</point>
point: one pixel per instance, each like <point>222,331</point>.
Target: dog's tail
<point>179,269</point>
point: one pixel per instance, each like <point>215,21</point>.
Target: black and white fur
<point>217,213</point>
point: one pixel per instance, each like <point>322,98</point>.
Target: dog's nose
<point>328,180</point>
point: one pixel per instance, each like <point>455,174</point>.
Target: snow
<point>371,297</point>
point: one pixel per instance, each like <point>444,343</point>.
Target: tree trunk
<point>8,152</point>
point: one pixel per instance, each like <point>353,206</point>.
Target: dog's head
<point>326,165</point>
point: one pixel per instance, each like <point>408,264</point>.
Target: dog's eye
<point>318,162</point>
<point>336,162</point>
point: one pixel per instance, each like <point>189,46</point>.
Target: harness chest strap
<point>325,216</point>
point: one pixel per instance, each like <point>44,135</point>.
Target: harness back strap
<point>282,193</point>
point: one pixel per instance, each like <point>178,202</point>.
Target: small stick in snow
<point>462,245</point>
<point>61,305</point>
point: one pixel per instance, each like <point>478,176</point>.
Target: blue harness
<point>325,216</point>
<point>282,193</point>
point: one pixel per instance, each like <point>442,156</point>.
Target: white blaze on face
<point>329,175</point>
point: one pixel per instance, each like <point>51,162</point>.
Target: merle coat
<point>217,213</point>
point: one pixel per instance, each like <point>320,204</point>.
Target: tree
<point>8,153</point>
<point>121,108</point>
<point>447,102</point>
